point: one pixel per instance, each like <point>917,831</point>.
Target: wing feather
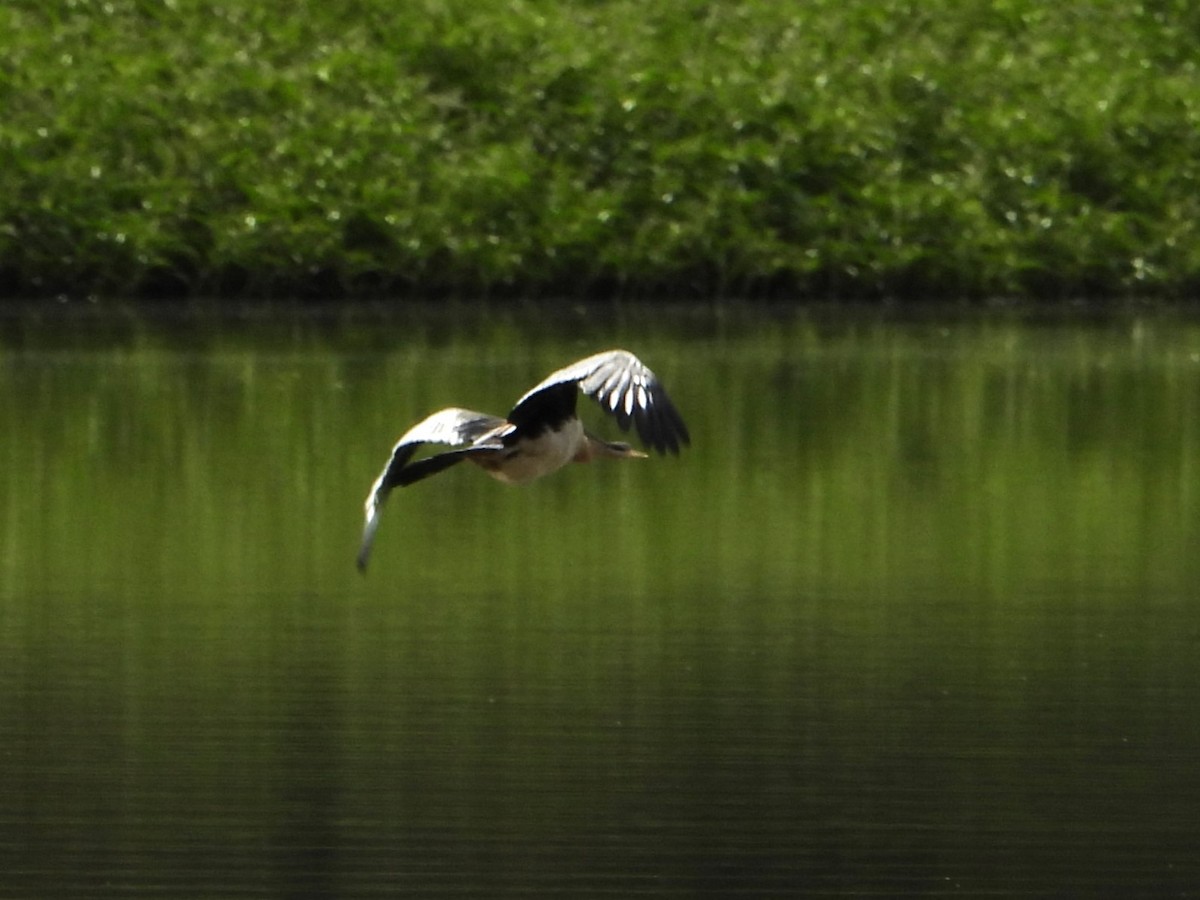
<point>628,391</point>
<point>452,426</point>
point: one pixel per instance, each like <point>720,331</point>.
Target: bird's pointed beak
<point>622,450</point>
<point>612,449</point>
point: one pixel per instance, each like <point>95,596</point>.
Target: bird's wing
<point>626,389</point>
<point>447,426</point>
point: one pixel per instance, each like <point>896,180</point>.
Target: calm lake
<point>916,613</point>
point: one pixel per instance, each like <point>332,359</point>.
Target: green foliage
<point>857,148</point>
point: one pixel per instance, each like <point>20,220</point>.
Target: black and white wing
<point>448,426</point>
<point>626,389</point>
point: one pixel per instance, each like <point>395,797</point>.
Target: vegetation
<point>845,147</point>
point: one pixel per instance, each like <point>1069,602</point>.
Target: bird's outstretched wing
<point>626,389</point>
<point>448,426</point>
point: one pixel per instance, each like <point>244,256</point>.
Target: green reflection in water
<point>868,454</point>
<point>914,591</point>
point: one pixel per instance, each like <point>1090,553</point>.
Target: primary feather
<point>628,391</point>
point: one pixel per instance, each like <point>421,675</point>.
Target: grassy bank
<point>833,146</point>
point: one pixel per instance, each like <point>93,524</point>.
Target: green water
<point>916,613</point>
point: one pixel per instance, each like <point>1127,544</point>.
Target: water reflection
<point>915,614</point>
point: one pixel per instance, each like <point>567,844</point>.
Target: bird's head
<point>611,449</point>
<point>622,450</point>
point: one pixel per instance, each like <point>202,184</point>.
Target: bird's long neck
<point>592,447</point>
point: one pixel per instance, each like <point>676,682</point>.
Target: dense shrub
<point>830,147</point>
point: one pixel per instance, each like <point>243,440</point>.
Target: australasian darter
<point>541,434</point>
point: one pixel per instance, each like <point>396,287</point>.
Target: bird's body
<point>533,457</point>
<point>540,435</point>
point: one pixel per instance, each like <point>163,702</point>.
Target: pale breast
<point>532,458</point>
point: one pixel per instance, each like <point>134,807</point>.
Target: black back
<point>548,408</point>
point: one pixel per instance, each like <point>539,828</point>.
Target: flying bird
<point>540,435</point>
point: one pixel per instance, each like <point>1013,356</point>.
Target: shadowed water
<point>915,614</point>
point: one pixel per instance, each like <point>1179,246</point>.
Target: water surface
<point>916,613</point>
